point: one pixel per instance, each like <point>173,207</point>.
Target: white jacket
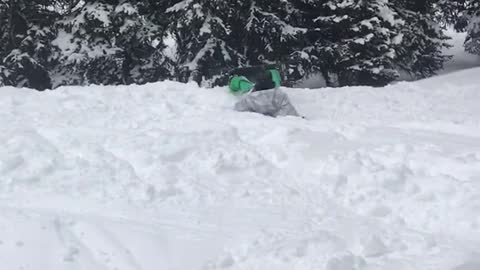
<point>273,102</point>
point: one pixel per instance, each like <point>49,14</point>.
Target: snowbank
<point>167,176</point>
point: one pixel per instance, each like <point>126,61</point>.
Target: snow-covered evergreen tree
<point>140,37</point>
<point>472,43</point>
<point>110,42</point>
<point>369,42</point>
<point>453,13</point>
<point>201,30</point>
<point>86,51</point>
<point>422,39</point>
<point>269,35</point>
<point>464,15</point>
<point>26,32</point>
<point>314,52</point>
<point>4,41</point>
<point>362,37</point>
<point>122,41</point>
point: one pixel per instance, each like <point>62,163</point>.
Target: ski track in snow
<point>168,176</point>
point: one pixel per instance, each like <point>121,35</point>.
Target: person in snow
<point>260,93</point>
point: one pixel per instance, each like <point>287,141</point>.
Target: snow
<point>179,6</point>
<point>126,8</point>
<point>170,50</point>
<point>397,40</point>
<point>387,14</point>
<point>365,39</point>
<point>368,23</point>
<point>168,176</point>
<point>64,42</point>
<point>206,27</point>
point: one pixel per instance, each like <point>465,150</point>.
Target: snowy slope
<point>167,176</point>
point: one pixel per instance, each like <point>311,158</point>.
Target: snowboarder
<point>259,91</point>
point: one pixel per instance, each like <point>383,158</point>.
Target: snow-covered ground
<point>168,176</point>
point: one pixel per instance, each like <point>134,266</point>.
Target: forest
<point>45,44</point>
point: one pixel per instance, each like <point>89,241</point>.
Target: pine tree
<point>140,37</point>
<point>111,42</point>
<point>314,53</point>
<point>200,29</point>
<point>268,33</point>
<point>362,38</point>
<point>4,41</point>
<point>26,32</point>
<point>472,42</point>
<point>464,15</point>
<point>85,50</point>
<point>453,12</point>
<point>422,39</point>
<point>370,42</point>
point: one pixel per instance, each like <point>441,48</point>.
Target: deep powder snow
<point>168,176</point>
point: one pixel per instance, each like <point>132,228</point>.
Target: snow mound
<point>168,176</point>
